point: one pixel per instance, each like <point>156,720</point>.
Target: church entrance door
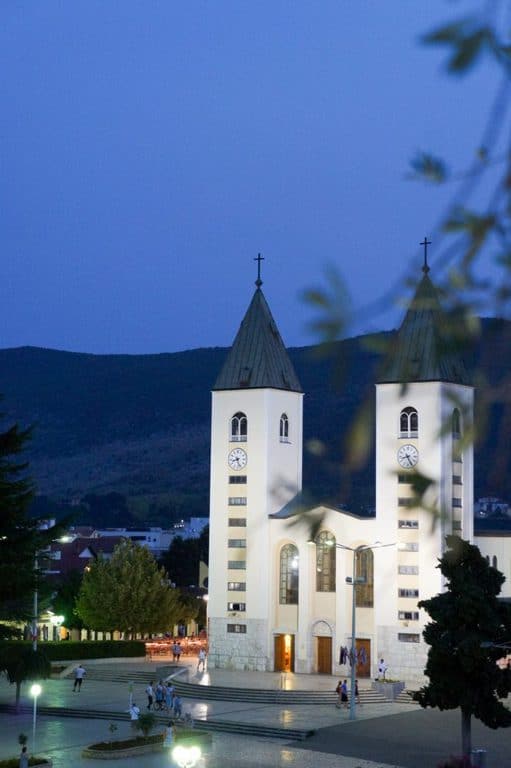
<point>324,655</point>
<point>284,653</point>
<point>363,657</point>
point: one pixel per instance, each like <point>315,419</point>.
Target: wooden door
<point>324,646</point>
<point>363,657</point>
<point>284,653</point>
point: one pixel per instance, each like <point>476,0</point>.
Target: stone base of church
<point>405,660</point>
<point>240,651</point>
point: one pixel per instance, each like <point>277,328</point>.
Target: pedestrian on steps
<point>79,675</point>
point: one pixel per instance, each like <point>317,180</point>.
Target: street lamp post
<point>353,581</point>
<point>35,691</point>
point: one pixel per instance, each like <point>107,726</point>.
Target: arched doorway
<point>322,633</point>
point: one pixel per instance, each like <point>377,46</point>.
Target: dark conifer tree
<point>21,536</point>
<point>468,623</point>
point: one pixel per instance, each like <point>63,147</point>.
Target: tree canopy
<point>129,592</point>
<point>183,557</point>
<point>20,662</point>
<point>468,621</point>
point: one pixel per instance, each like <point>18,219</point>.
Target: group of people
<point>176,652</point>
<point>163,697</point>
<point>342,694</point>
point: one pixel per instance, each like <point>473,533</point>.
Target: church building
<point>283,594</point>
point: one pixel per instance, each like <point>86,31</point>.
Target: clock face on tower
<point>237,458</point>
<point>408,456</point>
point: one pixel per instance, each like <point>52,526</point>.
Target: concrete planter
<point>390,690</point>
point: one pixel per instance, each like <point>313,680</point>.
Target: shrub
<point>70,650</point>
<point>146,723</point>
<point>455,762</point>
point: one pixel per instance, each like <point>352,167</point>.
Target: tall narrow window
<point>239,428</point>
<point>325,562</point>
<point>456,424</point>
<point>409,422</point>
<point>364,578</point>
<point>288,590</point>
<point>284,428</point>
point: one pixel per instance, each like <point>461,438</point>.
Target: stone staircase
<point>264,696</point>
<point>211,725</point>
<point>113,674</point>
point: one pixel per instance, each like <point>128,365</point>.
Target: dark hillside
<point>139,424</point>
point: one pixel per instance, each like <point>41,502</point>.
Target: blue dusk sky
<point>151,148</point>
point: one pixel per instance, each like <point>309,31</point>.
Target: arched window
<point>494,561</point>
<point>284,428</point>
<point>325,562</point>
<point>456,424</point>
<point>409,423</point>
<point>239,428</point>
<point>288,586</point>
<point>364,578</point>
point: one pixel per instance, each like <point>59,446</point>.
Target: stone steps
<point>224,726</point>
<point>260,696</point>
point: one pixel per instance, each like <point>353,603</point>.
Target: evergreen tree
<point>129,592</point>
<point>20,535</point>
<point>467,621</point>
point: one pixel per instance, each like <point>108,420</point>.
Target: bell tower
<point>256,468</point>
<point>424,405</point>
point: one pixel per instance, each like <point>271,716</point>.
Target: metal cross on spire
<point>259,259</point>
<point>425,243</point>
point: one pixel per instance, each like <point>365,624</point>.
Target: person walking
<point>338,692</point>
<point>134,712</point>
<point>159,695</point>
<point>178,707</point>
<point>201,660</point>
<point>23,758</point>
<point>357,694</point>
<point>168,735</point>
<point>344,694</point>
<point>169,696</point>
<point>150,694</point>
<point>382,669</point>
<point>79,675</point>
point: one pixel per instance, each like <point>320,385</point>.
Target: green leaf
<point>428,168</point>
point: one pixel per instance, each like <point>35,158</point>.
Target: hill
<point>138,425</point>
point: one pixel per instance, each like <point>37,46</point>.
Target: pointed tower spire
<point>425,243</point>
<point>258,358</point>
<point>259,259</point>
<point>427,345</point>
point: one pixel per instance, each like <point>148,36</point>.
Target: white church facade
<point>281,590</point>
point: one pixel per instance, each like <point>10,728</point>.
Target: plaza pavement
<point>383,734</point>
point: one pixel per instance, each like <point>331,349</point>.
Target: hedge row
<point>64,650</point>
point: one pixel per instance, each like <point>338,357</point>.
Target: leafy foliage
<point>466,620</point>
<point>183,557</point>
<point>64,600</point>
<point>146,722</point>
<point>20,662</point>
<point>129,592</point>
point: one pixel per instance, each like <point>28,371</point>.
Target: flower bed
<point>34,762</point>
<point>108,750</point>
